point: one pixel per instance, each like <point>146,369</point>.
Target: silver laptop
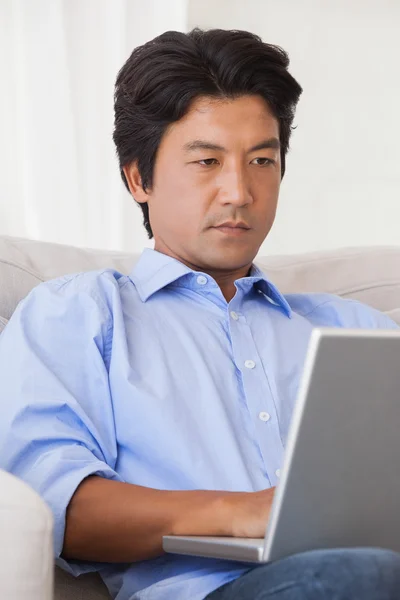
<point>340,481</point>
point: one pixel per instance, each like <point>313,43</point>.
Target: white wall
<point>342,184</point>
<point>59,177</point>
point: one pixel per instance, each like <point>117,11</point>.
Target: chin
<point>228,260</point>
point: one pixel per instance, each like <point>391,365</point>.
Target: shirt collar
<point>270,291</point>
<point>155,270</point>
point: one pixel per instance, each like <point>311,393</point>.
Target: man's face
<point>219,164</point>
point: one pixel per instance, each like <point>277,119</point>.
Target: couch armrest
<point>26,542</point>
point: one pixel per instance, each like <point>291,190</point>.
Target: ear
<point>134,180</point>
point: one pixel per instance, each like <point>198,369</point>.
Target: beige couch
<point>371,275</point>
<point>26,543</point>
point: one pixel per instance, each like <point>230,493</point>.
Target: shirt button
<point>264,416</point>
<point>278,473</point>
<point>201,280</point>
<point>234,316</point>
<point>249,364</point>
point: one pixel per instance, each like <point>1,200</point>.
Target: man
<point>159,403</point>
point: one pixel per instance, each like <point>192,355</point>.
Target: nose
<point>234,187</point>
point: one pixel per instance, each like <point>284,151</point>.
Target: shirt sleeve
<point>329,310</point>
<point>56,417</point>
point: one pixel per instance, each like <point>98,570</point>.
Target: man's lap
<point>339,574</point>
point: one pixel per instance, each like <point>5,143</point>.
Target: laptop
<point>340,480</point>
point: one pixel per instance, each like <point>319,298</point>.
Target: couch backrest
<point>371,275</point>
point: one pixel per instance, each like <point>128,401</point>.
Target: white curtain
<point>58,62</point>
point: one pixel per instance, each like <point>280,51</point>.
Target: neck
<point>224,278</point>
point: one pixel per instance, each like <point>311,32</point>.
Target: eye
<point>207,162</point>
<point>263,162</point>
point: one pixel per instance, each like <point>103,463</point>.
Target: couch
<point>26,544</point>
<point>371,275</point>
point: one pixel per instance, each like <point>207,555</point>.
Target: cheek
<point>185,202</point>
<point>190,214</point>
<point>271,207</point>
<point>268,203</point>
<point>178,212</point>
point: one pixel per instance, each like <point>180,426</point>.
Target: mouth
<point>233,229</point>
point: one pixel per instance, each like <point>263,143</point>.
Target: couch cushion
<point>26,263</point>
<point>3,323</point>
<point>370,275</point>
<point>48,261</point>
<point>84,587</point>
<point>15,283</point>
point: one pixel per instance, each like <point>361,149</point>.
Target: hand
<point>249,512</point>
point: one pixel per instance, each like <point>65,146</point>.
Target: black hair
<point>160,80</point>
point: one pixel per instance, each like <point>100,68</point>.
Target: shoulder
<point>91,282</point>
<point>67,318</point>
<point>82,290</point>
<point>333,311</point>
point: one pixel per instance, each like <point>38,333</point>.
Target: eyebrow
<point>272,143</point>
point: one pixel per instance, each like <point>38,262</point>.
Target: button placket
<point>257,395</point>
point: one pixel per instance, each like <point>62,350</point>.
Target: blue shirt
<point>154,379</point>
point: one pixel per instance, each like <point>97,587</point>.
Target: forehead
<point>246,118</point>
